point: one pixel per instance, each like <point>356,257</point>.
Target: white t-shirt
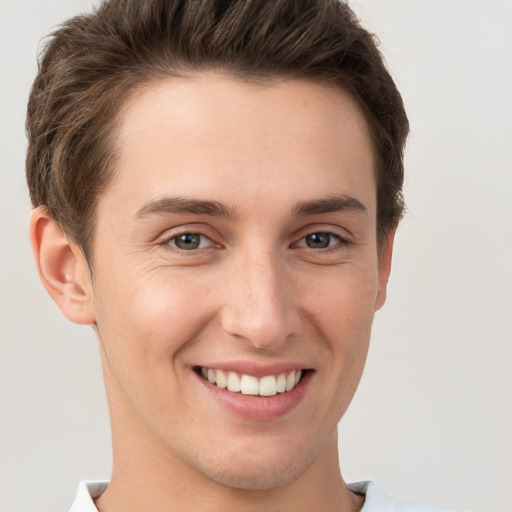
<point>376,500</point>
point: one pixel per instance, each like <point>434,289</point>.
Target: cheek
<point>143,327</point>
<point>151,317</point>
<point>344,298</point>
<point>343,307</point>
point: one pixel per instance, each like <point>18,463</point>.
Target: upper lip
<point>256,369</point>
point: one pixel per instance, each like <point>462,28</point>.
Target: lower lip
<point>258,408</point>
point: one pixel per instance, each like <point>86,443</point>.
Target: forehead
<point>210,131</point>
<point>205,105</point>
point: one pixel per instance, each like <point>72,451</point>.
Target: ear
<point>385,257</point>
<point>62,268</point>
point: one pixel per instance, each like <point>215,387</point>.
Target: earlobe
<point>62,268</point>
<point>385,258</point>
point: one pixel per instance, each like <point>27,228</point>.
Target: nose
<point>260,306</point>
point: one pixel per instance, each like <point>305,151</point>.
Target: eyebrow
<point>183,205</point>
<point>331,204</point>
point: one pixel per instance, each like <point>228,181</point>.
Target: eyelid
<point>336,236</point>
<point>197,229</point>
<point>173,241</point>
<point>343,234</point>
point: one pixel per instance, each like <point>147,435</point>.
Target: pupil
<point>188,241</point>
<point>318,240</point>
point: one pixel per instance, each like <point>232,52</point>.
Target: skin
<point>252,292</point>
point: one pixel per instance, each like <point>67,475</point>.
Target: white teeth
<point>221,380</point>
<point>249,385</point>
<point>281,383</point>
<point>233,382</point>
<point>290,381</point>
<point>269,385</point>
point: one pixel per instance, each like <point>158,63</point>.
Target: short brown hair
<point>93,62</point>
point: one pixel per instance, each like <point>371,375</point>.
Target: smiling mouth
<point>269,385</point>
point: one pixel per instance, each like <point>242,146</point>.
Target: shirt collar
<point>86,493</point>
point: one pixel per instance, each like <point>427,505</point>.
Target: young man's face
<point>237,240</point>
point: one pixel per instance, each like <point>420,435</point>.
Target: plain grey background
<point>432,419</point>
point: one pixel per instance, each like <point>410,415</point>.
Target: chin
<point>253,479</point>
<point>259,471</point>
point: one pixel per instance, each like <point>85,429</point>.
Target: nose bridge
<point>259,303</point>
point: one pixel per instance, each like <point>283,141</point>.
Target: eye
<point>320,240</point>
<point>190,241</point>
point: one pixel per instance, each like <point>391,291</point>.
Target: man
<point>216,189</point>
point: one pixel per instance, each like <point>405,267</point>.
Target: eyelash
<point>170,243</point>
<point>339,241</point>
<point>167,242</point>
